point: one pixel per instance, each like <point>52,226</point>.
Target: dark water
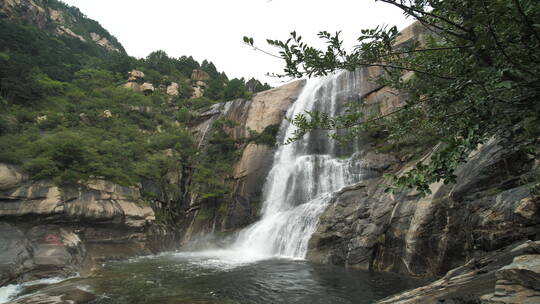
<point>184,278</point>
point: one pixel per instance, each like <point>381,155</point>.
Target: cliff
<point>475,222</point>
<point>59,19</point>
<point>249,116</point>
<point>50,231</point>
<point>112,172</point>
<point>477,237</point>
<point>47,230</point>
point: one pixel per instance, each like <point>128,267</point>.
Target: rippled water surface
<point>210,278</point>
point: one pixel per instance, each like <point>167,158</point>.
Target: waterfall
<point>304,174</point>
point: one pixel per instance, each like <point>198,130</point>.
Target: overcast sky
<point>213,29</point>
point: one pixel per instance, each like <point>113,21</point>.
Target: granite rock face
<point>199,75</point>
<point>103,42</point>
<point>50,231</point>
<point>63,293</point>
<point>135,75</point>
<point>61,22</point>
<point>172,89</point>
<point>265,109</point>
<point>62,30</point>
<point>487,209</point>
<point>506,276</point>
<point>100,201</point>
<point>517,283</point>
<point>28,10</point>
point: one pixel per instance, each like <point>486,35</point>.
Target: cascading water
<point>298,188</point>
<point>304,174</point>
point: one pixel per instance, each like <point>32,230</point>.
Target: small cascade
<point>304,174</point>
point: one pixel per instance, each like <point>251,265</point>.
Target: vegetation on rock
<point>475,76</point>
<point>65,115</point>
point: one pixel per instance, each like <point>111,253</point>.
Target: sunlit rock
<point>135,75</point>
<point>172,89</point>
<point>199,75</point>
<point>62,30</point>
<point>147,88</point>
<point>103,42</point>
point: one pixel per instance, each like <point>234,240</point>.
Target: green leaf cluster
<point>473,75</point>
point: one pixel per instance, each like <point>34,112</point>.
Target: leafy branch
<point>472,74</point>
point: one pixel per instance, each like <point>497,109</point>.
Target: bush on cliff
<point>476,76</point>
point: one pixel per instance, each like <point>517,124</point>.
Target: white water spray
<point>303,176</point>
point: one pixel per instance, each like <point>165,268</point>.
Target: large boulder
<point>46,230</point>
<point>198,82</point>
<point>56,16</point>
<point>38,252</point>
<point>147,88</point>
<point>11,176</point>
<point>198,92</point>
<point>506,276</point>
<point>99,201</point>
<point>517,283</point>
<point>199,75</point>
<point>132,86</point>
<point>134,75</point>
<point>172,89</point>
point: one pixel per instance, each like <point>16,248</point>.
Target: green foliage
<point>82,25</point>
<point>186,65</point>
<point>476,76</point>
<point>66,157</point>
<point>215,89</point>
<point>65,117</point>
<point>92,78</point>
<point>32,53</point>
<point>254,86</point>
<point>214,168</point>
<point>183,115</point>
<point>196,104</point>
<point>267,137</point>
<point>236,88</point>
<point>160,62</point>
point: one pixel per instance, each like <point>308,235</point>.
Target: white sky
<point>213,29</point>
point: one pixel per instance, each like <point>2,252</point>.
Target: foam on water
<point>9,292</point>
<point>303,177</point>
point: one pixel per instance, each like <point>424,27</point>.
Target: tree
<point>254,86</point>
<point>186,65</point>
<point>160,61</point>
<point>236,88</point>
<point>476,76</point>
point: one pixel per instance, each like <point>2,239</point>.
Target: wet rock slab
<point>63,293</point>
<point>508,276</point>
<point>48,231</point>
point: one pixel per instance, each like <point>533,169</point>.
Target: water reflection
<point>178,278</point>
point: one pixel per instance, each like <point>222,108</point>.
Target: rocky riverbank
<point>50,231</point>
